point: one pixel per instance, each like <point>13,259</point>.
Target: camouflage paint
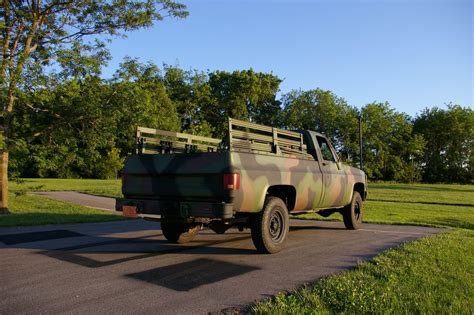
<point>199,177</point>
<point>314,189</point>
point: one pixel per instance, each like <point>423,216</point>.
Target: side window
<point>326,150</point>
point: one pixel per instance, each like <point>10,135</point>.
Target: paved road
<point>128,267</point>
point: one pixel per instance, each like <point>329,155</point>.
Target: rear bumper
<point>178,208</point>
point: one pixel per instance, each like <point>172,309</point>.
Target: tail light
<point>232,181</point>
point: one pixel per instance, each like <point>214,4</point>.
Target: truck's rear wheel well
<point>359,187</point>
<point>286,193</point>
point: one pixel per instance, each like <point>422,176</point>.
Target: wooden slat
<point>151,141</point>
<point>177,135</point>
<point>290,133</point>
<point>251,136</point>
<point>289,142</point>
<point>156,141</point>
<point>178,146</point>
<point>247,124</point>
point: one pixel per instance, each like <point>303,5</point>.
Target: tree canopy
<point>449,134</point>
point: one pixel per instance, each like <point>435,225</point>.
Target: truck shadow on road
<point>192,274</point>
<point>208,259</point>
<point>98,254</point>
<point>107,251</point>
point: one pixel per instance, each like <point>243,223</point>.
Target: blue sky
<point>411,53</point>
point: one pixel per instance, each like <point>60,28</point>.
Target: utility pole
<point>361,160</point>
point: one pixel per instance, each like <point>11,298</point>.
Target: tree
<point>246,94</point>
<point>450,143</point>
<point>391,150</point>
<point>68,131</point>
<point>323,111</point>
<point>36,34</point>
<point>139,98</point>
<point>190,92</point>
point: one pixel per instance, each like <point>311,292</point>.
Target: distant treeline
<point>84,126</point>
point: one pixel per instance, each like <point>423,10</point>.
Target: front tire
<point>353,213</point>
<point>178,232</point>
<point>270,226</point>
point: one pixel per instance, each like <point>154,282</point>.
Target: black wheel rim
<point>357,212</point>
<point>276,226</point>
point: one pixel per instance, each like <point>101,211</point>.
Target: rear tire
<point>270,226</point>
<point>353,213</point>
<point>179,233</point>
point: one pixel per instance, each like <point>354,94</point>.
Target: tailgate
<point>192,176</point>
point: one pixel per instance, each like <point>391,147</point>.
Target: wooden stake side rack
<point>155,141</point>
<point>250,137</point>
<point>243,137</point>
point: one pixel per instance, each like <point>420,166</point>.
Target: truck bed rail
<point>250,137</point>
<point>155,141</point>
<point>243,137</point>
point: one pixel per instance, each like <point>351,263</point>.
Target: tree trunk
<point>4,182</point>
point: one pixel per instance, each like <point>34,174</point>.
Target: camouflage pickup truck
<point>255,178</point>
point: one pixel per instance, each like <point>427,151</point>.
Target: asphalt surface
<point>128,267</point>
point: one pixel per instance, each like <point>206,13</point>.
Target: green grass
<point>39,210</point>
<point>423,193</point>
<point>99,187</point>
<point>410,213</point>
<point>433,275</point>
<point>416,204</point>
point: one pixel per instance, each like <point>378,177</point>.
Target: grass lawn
<point>416,204</point>
<point>27,209</point>
<point>410,213</point>
<point>39,210</point>
<point>423,193</point>
<point>99,187</point>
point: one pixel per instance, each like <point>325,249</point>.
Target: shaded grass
<point>39,210</point>
<point>429,276</point>
<point>99,187</point>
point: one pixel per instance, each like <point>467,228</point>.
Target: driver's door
<point>333,175</point>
